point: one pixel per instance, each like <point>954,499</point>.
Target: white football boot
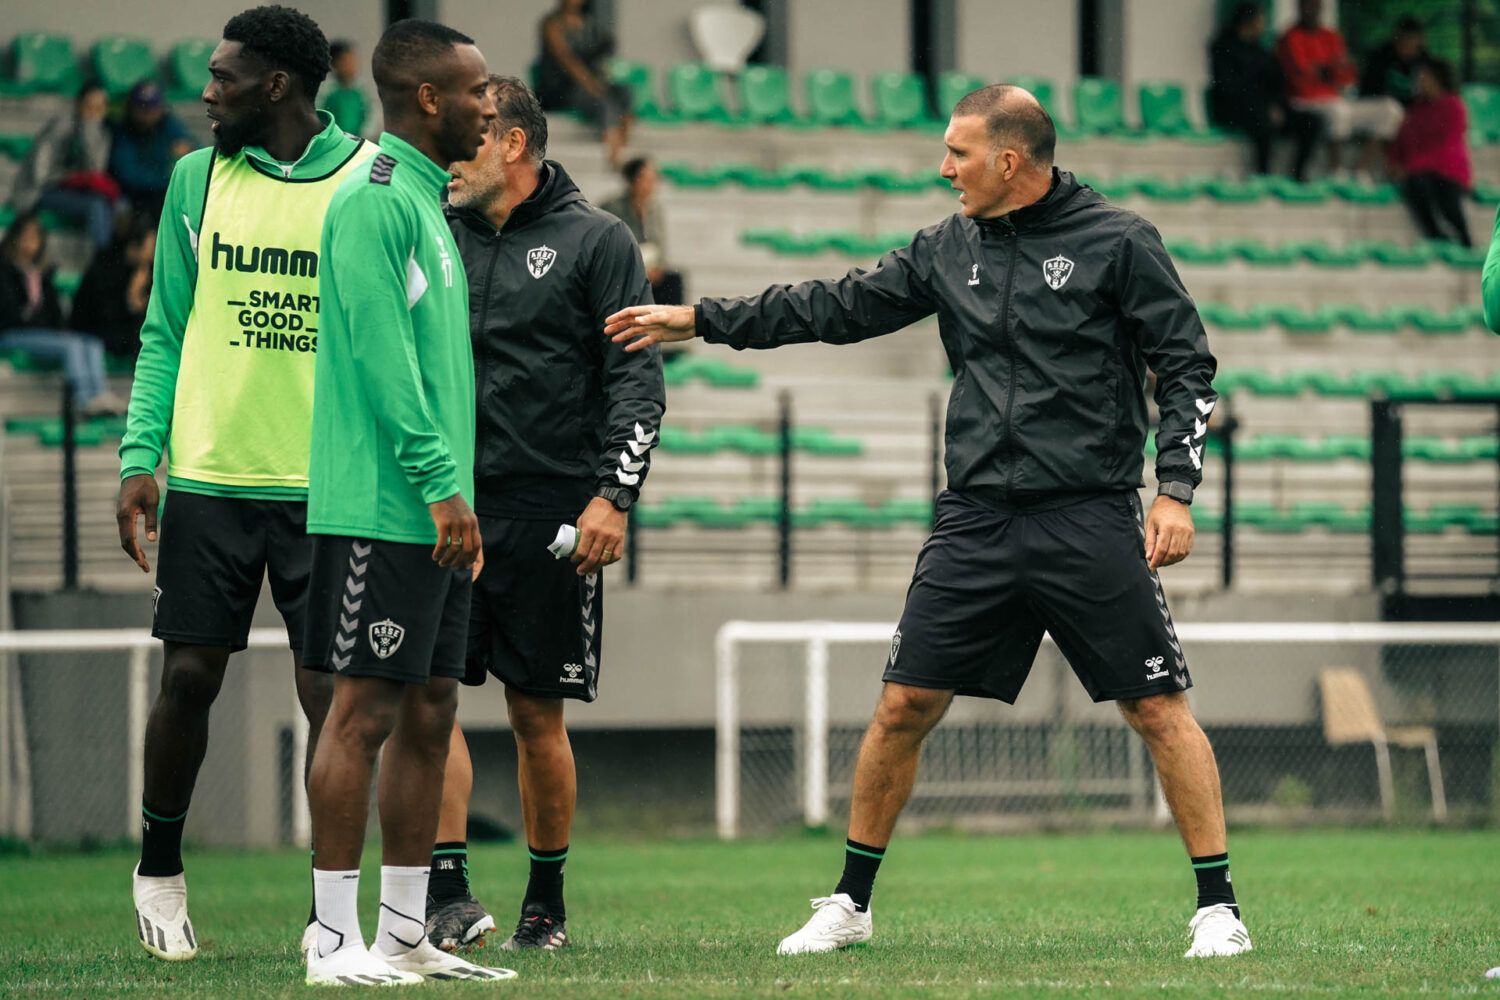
<point>161,917</point>
<point>426,961</point>
<point>354,966</point>
<point>1217,932</point>
<point>835,924</point>
<point>309,940</point>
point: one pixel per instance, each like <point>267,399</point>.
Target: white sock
<point>403,908</point>
<point>336,896</point>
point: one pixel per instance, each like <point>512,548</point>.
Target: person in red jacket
<point>1318,72</point>
<point>1430,156</point>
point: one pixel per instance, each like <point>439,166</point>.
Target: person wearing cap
<point>148,141</point>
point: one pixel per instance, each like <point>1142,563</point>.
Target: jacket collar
<point>403,152</point>
<point>324,152</point>
<point>554,189</point>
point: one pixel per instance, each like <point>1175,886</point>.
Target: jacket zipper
<point>1010,399</point>
<point>484,364</point>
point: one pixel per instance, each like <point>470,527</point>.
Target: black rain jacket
<point>562,410</point>
<point>1051,317</point>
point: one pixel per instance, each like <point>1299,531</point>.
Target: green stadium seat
<point>851,512</point>
<point>1431,321</point>
<point>1097,108</point>
<point>825,179</point>
<point>1287,190</point>
<point>187,66</point>
<point>899,100</point>
<point>1323,255</point>
<point>953,87</point>
<point>1362,320</point>
<point>1326,383</point>
<point>1396,255</point>
<point>694,90</point>
<point>821,441</point>
<point>1266,254</point>
<point>1293,320</point>
<point>637,76</point>
<point>1257,382</point>
<point>1487,194</point>
<point>1253,319</point>
<point>122,62</point>
<point>689,175</point>
<point>765,97</point>
<point>44,63</point>
<point>67,282</point>
<point>680,441</point>
<point>830,98</point>
<point>1483,100</point>
<point>15,146</point>
<point>1164,108</point>
<point>1206,254</point>
<point>899,510</point>
<point>1468,258</point>
<point>1183,189</point>
<point>1043,89</point>
<point>1235,192</point>
<point>1363,194</point>
<point>723,375</point>
<point>751,175</point>
<point>891,180</point>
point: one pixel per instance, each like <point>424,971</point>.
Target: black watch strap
<point>622,498</point>
<point>1179,491</point>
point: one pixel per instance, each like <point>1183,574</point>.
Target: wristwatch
<point>622,498</point>
<point>1179,491</point>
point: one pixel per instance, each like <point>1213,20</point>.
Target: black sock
<point>161,842</point>
<point>861,862</point>
<point>449,876</point>
<point>1212,871</point>
<point>544,890</point>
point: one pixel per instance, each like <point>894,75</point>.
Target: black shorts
<point>385,609</point>
<point>214,554</point>
<point>536,624</point>
<point>987,585</point>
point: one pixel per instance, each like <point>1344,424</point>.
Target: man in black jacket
<point>565,428</point>
<point>1051,305</point>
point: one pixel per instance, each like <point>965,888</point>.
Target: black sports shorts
<point>385,609</point>
<point>988,584</point>
<point>214,553</point>
<point>536,624</point>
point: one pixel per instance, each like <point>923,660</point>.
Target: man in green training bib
<point>395,543</point>
<point>224,386</point>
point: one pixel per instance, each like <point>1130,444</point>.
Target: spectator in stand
<point>1391,70</point>
<point>638,208</point>
<point>1430,155</point>
<point>1248,92</point>
<point>1318,71</point>
<point>31,317</point>
<point>344,100</point>
<point>111,300</point>
<point>570,74</point>
<point>148,141</point>
<point>1489,286</point>
<point>65,171</point>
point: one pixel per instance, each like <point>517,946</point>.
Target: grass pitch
<point>1332,913</point>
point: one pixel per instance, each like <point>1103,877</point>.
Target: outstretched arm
<point>893,294</point>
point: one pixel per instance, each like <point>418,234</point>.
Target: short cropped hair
<point>633,167</point>
<point>1023,124</point>
<point>516,106</point>
<point>406,47</point>
<point>283,38</point>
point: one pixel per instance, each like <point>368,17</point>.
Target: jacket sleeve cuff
<point>441,486</point>
<point>138,460</point>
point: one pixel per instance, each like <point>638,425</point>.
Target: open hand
<point>643,326</point>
